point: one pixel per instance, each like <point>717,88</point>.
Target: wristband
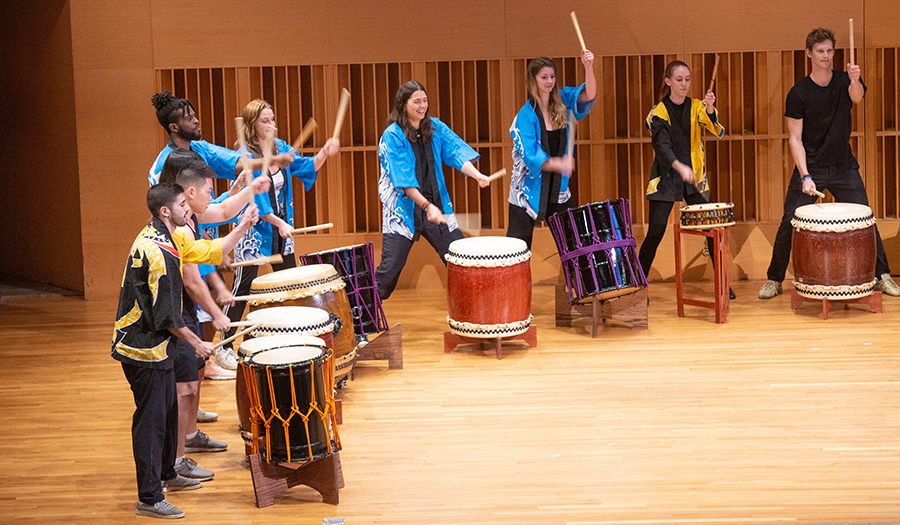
<point>425,206</point>
<point>804,177</point>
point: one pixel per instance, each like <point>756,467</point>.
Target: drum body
<point>316,286</point>
<point>248,349</point>
<point>489,287</point>
<point>356,266</point>
<point>597,250</point>
<point>833,249</point>
<point>291,395</point>
<point>707,216</point>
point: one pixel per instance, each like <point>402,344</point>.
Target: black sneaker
<point>162,509</point>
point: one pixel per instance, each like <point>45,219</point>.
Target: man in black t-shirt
<point>819,125</point>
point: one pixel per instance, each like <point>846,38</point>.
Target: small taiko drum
<point>248,349</point>
<point>834,250</point>
<point>597,250</point>
<point>489,287</point>
<point>707,216</point>
<point>356,265</point>
<point>317,286</point>
<point>291,396</point>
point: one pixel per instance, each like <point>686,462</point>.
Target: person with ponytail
<point>678,172</point>
<point>539,185</point>
<point>415,202</point>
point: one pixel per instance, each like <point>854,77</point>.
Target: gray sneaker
<point>206,417</point>
<point>180,482</point>
<point>201,443</point>
<point>886,285</point>
<point>188,468</point>
<point>162,509</point>
<point>769,290</point>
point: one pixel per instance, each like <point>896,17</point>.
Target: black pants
<point>656,230</point>
<point>395,249</point>
<point>243,278</point>
<point>154,428</point>
<point>846,185</point>
<point>521,225</point>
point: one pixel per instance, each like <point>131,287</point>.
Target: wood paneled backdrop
<point>471,59</point>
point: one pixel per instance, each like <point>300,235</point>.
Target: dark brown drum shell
<point>489,296</point>
<point>834,258</point>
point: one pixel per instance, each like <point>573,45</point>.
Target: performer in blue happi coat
<point>539,185</point>
<point>413,151</point>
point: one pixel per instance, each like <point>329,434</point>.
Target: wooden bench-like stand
<point>387,345</point>
<point>323,475</point>
<point>630,309</point>
<point>721,262</point>
<point>873,300</point>
<point>452,340</point>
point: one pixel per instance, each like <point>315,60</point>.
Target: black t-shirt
<point>826,118</point>
<point>680,128</point>
<point>423,174</point>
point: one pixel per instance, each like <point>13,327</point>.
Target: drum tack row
<point>310,322</point>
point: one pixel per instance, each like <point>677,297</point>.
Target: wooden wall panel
<point>41,216</point>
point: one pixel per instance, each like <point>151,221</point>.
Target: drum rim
<point>278,341</point>
<point>803,212</point>
<point>268,278</point>
<point>323,350</point>
<point>515,245</point>
<point>707,206</point>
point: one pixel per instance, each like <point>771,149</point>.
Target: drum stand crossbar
<point>452,340</point>
<point>721,262</point>
<point>873,300</point>
<point>629,309</point>
<point>323,475</point>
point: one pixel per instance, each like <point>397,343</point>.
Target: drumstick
<point>272,259</point>
<point>578,30</point>
<point>819,193</point>
<point>307,131</point>
<point>242,143</point>
<point>496,175</point>
<point>238,324</point>
<point>259,296</point>
<point>852,62</point>
<point>220,344</point>
<point>267,151</point>
<point>712,82</point>
<point>313,228</point>
<point>342,112</point>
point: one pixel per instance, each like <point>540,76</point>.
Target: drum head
<point>290,355</point>
<point>833,217</point>
<point>708,206</point>
<point>258,344</point>
<point>488,251</point>
<point>300,274</point>
<point>298,317</point>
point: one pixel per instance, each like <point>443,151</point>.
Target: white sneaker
<point>226,358</point>
<point>217,373</point>
<point>886,285</point>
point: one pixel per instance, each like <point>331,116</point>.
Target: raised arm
<point>590,82</point>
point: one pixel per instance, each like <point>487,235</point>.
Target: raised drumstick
<point>496,175</point>
<point>313,228</point>
<point>272,259</point>
<point>305,133</point>
<point>342,112</point>
<point>220,344</point>
<point>712,82</point>
<point>258,297</point>
<point>578,30</point>
<point>242,142</point>
<point>852,61</point>
<point>267,151</point>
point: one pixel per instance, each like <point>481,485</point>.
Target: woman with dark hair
<point>539,185</point>
<point>413,151</point>
<point>678,172</point>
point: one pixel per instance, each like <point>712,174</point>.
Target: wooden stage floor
<point>775,417</point>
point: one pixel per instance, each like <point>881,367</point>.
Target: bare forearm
<point>197,289</point>
<point>799,155</point>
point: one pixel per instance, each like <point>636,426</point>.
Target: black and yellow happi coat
<point>665,183</point>
<point>150,299</point>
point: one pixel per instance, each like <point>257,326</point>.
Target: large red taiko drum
<point>834,250</point>
<point>489,287</point>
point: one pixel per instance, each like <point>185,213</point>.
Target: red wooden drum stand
<point>488,292</point>
<point>721,261</point>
